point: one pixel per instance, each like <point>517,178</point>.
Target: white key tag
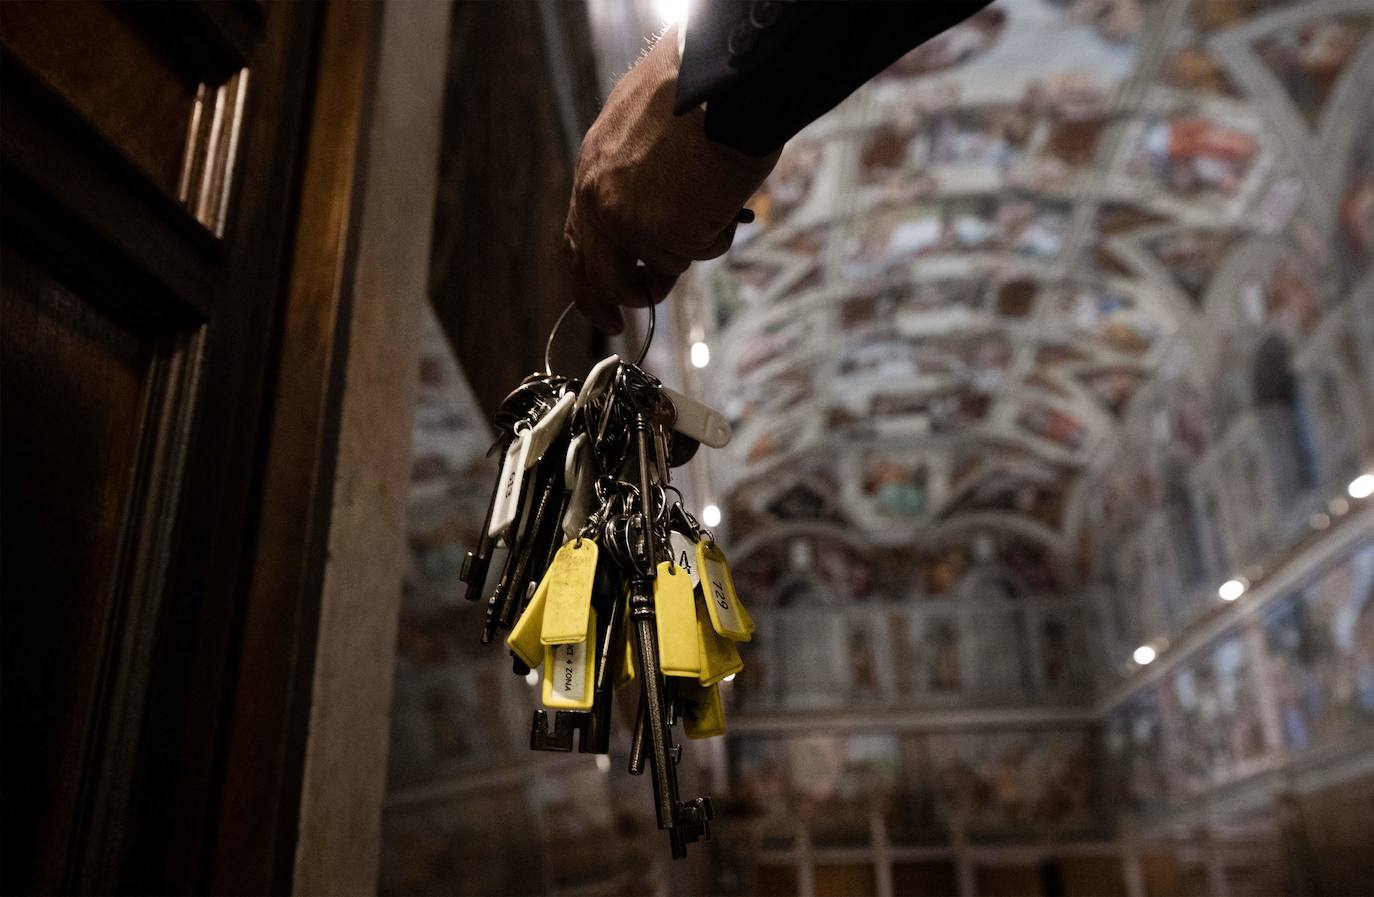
<point>548,429</point>
<point>577,471</point>
<point>598,378</point>
<point>569,671</point>
<point>685,554</point>
<point>698,420</point>
<point>507,503</point>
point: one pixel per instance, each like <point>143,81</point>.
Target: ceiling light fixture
<point>1143,655</point>
<point>1231,589</point>
<point>1362,486</point>
<point>701,355</point>
<point>710,515</point>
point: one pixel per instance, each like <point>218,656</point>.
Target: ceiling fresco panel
<point>965,277</point>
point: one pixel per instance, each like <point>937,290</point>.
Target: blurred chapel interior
<point>1050,362</point>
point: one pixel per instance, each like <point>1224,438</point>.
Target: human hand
<point>651,193</point>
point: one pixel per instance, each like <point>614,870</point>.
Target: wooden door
<point>154,156</point>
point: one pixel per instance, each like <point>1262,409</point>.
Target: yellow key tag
<point>675,610</point>
<point>569,581</point>
<point>704,715</point>
<point>744,617</point>
<point>570,671</point>
<point>719,656</point>
<point>524,636</point>
<point>718,587</point>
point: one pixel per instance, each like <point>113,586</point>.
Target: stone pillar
<point>339,840</point>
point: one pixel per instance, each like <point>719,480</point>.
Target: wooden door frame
<point>193,766</point>
<point>258,816</point>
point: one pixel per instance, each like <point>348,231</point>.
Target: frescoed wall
<point>1319,649</point>
<point>1289,681</point>
<point>1022,784</point>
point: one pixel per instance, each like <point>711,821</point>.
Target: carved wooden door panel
<point>150,167</point>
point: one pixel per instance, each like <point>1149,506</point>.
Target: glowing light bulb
<point>710,515</point>
<point>701,355</point>
<point>1143,655</point>
<point>1362,486</point>
<point>1231,589</point>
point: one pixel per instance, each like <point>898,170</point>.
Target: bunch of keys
<point>609,578</point>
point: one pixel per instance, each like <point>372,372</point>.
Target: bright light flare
<point>1362,486</point>
<point>670,12</point>
<point>532,677</point>
<point>1231,589</point>
<point>710,515</point>
<point>603,762</point>
<point>1143,655</point>
<point>701,355</point>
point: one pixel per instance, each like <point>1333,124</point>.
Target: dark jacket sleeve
<point>768,68</point>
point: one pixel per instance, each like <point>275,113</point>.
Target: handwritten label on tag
<point>685,555</point>
<point>718,587</point>
<point>569,581</point>
<point>675,614</point>
<point>507,503</point>
<point>568,672</point>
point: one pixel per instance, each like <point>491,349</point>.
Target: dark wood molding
<point>170,762</point>
<point>265,751</point>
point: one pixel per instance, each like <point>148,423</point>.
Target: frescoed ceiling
<point>960,279</point>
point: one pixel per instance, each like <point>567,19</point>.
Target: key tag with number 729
<point>728,616</point>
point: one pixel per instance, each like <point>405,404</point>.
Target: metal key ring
<point>558,324</point>
<point>649,334</point>
<point>548,343</point>
<point>661,493</point>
